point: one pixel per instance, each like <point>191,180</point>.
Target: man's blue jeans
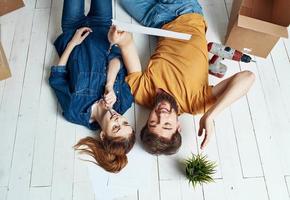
<point>73,15</point>
<point>156,13</point>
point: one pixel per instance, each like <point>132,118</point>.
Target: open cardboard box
<point>4,68</point>
<point>7,6</point>
<point>256,25</point>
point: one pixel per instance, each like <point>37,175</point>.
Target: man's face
<point>163,119</point>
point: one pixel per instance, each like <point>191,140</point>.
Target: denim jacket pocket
<point>90,83</point>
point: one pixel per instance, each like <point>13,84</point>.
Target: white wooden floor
<point>37,161</point>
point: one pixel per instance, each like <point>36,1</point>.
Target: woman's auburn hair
<point>108,152</point>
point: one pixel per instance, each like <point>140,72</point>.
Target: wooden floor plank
<point>215,191</point>
<point>287,46</point>
<point>3,193</point>
<point>276,107</point>
<point>179,190</point>
<point>43,4</point>
<point>45,137</point>
<point>30,3</point>
<point>287,179</point>
<point>170,190</point>
<point>24,144</point>
<point>81,173</point>
<point>273,171</point>
<point>281,68</point>
<point>254,188</point>
<point>63,165</point>
<point>40,193</point>
<point>12,93</point>
<point>83,190</point>
<point>230,164</point>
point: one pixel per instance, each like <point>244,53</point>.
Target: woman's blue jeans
<point>73,15</point>
<point>156,13</point>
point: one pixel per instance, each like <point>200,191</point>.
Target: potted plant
<point>199,169</point>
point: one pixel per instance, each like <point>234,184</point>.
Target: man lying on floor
<point>176,79</point>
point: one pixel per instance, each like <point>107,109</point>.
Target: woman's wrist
<point>71,45</point>
<point>109,86</point>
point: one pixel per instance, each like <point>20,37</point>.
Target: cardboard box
<point>7,6</point>
<point>255,26</point>
<point>4,67</point>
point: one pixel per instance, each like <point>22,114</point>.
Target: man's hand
<point>120,38</point>
<point>80,35</point>
<point>206,128</point>
<point>109,96</point>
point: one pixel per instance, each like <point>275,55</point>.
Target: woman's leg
<point>72,14</point>
<point>100,12</point>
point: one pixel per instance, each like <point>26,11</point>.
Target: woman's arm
<point>58,76</point>
<point>113,69</point>
<point>128,50</point>
<point>77,39</point>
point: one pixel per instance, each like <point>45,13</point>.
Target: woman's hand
<point>80,35</point>
<point>109,96</point>
<point>120,38</point>
<point>206,128</point>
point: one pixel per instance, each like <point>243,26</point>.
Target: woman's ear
<point>178,127</point>
<point>102,134</point>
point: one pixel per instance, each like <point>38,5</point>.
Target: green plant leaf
<point>199,170</point>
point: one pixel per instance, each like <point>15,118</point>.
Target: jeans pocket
<point>161,15</point>
<point>184,10</point>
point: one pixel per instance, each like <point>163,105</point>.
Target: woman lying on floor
<point>88,82</point>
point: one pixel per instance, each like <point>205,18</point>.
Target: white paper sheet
<point>150,31</point>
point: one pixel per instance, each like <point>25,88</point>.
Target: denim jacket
<point>82,81</point>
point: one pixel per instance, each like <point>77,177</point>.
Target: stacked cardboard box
<point>5,7</point>
<point>256,25</point>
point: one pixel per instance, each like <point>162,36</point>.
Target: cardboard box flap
<point>4,68</point>
<point>281,11</point>
<point>262,26</point>
<point>7,6</point>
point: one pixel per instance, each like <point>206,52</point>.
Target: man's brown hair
<point>155,144</point>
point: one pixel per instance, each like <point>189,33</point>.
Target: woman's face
<point>115,125</point>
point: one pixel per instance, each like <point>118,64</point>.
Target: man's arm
<point>128,49</point>
<point>227,92</point>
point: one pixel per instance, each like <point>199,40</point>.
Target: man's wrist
<point>209,115</point>
<point>125,44</point>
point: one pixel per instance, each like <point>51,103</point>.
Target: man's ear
<point>102,134</point>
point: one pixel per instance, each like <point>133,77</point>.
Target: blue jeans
<point>156,13</point>
<point>73,16</point>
